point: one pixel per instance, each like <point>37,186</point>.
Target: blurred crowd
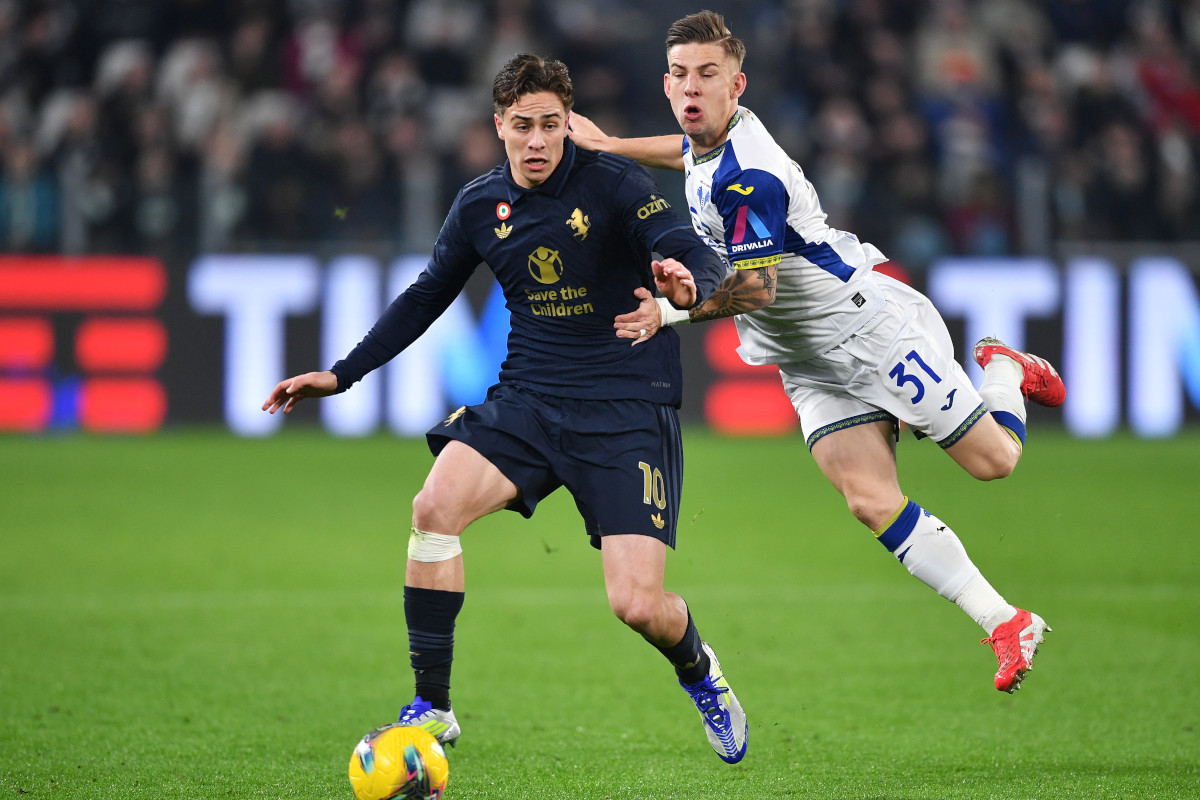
<point>930,127</point>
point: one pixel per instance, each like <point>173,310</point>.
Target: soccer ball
<point>399,761</point>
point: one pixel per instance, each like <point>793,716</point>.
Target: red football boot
<point>1042,384</point>
<point>1015,642</point>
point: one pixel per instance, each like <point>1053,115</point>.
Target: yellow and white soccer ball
<point>399,761</point>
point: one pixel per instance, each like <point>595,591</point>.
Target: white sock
<point>983,604</point>
<point>933,554</point>
<point>1001,387</point>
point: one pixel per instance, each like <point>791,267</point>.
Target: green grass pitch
<point>197,616</point>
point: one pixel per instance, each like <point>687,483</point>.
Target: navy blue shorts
<point>622,460</point>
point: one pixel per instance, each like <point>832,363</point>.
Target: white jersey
<point>752,203</point>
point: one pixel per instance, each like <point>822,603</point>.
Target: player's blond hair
<point>706,27</point>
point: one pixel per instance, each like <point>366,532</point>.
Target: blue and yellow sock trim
<point>896,530</point>
<point>1012,424</point>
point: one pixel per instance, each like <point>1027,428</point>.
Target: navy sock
<point>430,615</point>
<point>689,659</point>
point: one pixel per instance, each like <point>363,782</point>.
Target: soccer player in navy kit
<point>569,235</point>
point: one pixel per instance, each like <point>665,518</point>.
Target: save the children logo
<point>545,265</point>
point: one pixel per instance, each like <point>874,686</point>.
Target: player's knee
<point>994,465</point>
<point>431,514</point>
<point>637,610</point>
<point>997,470</point>
<point>869,508</point>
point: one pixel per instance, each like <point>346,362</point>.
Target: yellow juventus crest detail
<point>458,412</point>
<point>580,224</point>
<point>503,231</point>
<point>545,266</point>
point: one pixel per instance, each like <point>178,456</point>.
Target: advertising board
<point>125,345</point>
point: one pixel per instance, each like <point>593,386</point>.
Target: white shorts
<point>899,366</point>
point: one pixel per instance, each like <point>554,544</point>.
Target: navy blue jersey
<point>568,255</point>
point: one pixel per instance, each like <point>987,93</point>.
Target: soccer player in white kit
<point>857,350</point>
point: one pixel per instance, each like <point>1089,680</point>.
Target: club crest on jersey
<point>545,266</point>
<point>503,211</point>
<point>703,193</point>
<point>503,231</point>
<point>580,224</point>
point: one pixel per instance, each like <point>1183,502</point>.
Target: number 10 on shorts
<point>654,488</point>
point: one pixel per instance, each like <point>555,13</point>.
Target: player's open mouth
<point>692,113</point>
<point>535,163</point>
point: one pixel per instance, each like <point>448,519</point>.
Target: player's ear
<point>739,84</point>
<point>499,126</point>
<point>667,84</point>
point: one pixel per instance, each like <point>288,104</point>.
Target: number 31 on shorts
<point>902,376</point>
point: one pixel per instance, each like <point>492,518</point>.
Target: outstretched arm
<point>665,152</point>
<point>291,391</point>
<point>742,291</point>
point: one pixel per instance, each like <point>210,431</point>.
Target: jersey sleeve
<point>754,207</point>
<point>652,221</point>
<point>415,309</point>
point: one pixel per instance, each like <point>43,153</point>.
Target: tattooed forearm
<point>767,274</point>
<point>744,290</point>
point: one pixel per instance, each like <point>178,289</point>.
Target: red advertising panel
<point>106,382</point>
<point>25,343</point>
<point>743,399</point>
<point>26,404</point>
<point>89,283</point>
<point>121,345</point>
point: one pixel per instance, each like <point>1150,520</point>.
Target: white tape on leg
<point>430,547</point>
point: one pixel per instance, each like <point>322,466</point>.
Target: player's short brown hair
<point>529,73</point>
<point>706,27</point>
